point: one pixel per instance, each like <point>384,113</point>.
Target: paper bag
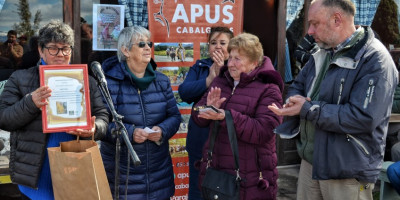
<point>77,171</point>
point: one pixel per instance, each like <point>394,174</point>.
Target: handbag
<point>218,184</point>
<point>77,171</point>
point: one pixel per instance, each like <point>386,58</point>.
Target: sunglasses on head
<point>143,44</point>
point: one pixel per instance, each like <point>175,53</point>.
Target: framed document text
<point>68,106</point>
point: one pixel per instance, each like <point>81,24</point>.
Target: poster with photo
<point>176,74</point>
<point>108,21</point>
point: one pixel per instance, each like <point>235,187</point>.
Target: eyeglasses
<point>66,51</point>
<point>142,44</point>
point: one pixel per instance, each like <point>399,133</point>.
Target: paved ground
<point>287,182</point>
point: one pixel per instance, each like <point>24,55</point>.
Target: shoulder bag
<point>218,184</point>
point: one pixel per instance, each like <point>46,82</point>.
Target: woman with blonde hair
<point>245,87</point>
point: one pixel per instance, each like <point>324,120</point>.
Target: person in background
<point>340,103</point>
<point>180,52</point>
<point>22,40</point>
<point>31,57</point>
<point>245,87</point>
<point>20,113</point>
<point>394,127</point>
<point>306,47</point>
<point>392,149</point>
<point>86,42</point>
<point>86,31</point>
<point>145,98</point>
<point>199,78</point>
<point>11,49</point>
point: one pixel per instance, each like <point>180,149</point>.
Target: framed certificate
<point>69,104</point>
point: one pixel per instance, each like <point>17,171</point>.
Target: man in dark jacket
<point>340,103</point>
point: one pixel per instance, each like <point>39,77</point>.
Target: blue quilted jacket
<point>154,106</point>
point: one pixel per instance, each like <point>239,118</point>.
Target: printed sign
<point>179,27</point>
<point>108,21</point>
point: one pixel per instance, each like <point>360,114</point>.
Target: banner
<point>179,28</point>
<point>179,31</point>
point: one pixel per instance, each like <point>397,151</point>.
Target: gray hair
<point>128,36</point>
<point>346,5</point>
<point>57,32</point>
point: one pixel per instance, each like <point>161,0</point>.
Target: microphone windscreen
<point>97,71</point>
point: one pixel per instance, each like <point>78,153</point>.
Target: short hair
<point>12,32</point>
<point>220,29</point>
<point>346,5</point>
<point>128,36</point>
<point>57,32</point>
<point>249,45</point>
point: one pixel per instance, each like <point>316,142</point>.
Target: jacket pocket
<point>358,143</point>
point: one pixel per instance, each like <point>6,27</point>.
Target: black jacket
<point>20,116</point>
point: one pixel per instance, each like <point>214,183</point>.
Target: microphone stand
<point>120,130</point>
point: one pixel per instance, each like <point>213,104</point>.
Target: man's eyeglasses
<point>142,44</point>
<point>66,51</point>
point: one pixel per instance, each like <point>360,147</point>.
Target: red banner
<point>179,31</point>
<point>178,24</point>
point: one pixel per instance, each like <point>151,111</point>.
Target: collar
<point>343,44</point>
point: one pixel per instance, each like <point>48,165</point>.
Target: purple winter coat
<point>254,124</point>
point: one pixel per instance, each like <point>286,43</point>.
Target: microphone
<point>98,72</point>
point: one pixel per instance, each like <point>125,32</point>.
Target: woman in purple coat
<point>246,86</point>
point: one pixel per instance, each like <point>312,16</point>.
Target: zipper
<point>233,90</point>
<point>258,164</point>
<point>348,136</point>
<point>146,143</point>
<point>340,90</point>
<point>370,93</point>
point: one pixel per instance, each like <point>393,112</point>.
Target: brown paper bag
<point>77,171</point>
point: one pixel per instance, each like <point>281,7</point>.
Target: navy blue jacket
<point>154,106</point>
<point>191,91</point>
<point>352,114</point>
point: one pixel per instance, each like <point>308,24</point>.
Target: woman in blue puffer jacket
<point>144,98</point>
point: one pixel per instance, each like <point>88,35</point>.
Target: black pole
<point>117,158</point>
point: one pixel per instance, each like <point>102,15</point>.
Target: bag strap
<point>232,138</point>
<point>213,137</point>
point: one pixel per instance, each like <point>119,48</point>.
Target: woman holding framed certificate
<point>21,105</point>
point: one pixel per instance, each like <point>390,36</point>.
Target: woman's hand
<point>140,135</point>
<point>84,132</point>
<point>155,137</point>
<point>218,58</point>
<point>40,95</point>
<point>214,97</point>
